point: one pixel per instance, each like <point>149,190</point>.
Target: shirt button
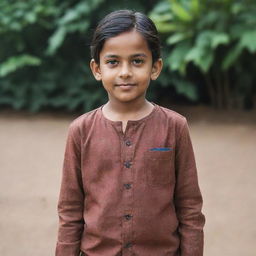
<point>128,143</point>
<point>128,245</point>
<point>127,164</point>
<point>128,186</point>
<point>128,216</point>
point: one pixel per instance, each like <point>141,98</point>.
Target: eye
<point>138,62</point>
<point>112,62</point>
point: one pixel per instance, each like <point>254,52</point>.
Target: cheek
<point>108,74</point>
<point>144,75</point>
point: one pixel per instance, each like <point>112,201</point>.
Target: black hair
<point>121,21</point>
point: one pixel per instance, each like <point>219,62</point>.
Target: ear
<point>95,68</point>
<point>156,69</point>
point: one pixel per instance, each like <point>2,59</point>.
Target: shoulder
<point>176,122</point>
<point>179,126</point>
<point>79,124</point>
<point>172,116</point>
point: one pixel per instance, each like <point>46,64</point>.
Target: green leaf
<point>186,88</point>
<point>236,8</point>
<point>166,27</point>
<point>194,54</point>
<point>176,38</point>
<point>208,20</point>
<point>206,62</point>
<point>81,26</point>
<point>56,40</point>
<point>176,59</point>
<point>195,6</point>
<point>159,18</point>
<point>70,16</point>
<point>31,17</point>
<point>220,39</point>
<point>201,57</point>
<point>231,57</point>
<point>180,11</point>
<point>17,62</point>
<point>248,41</point>
<point>161,7</point>
<point>236,31</point>
<point>204,39</point>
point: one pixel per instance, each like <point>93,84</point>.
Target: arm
<point>71,198</point>
<point>188,199</point>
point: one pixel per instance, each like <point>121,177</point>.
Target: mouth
<point>126,85</point>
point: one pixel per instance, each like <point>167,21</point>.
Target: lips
<point>125,85</point>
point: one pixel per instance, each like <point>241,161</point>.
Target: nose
<point>125,71</point>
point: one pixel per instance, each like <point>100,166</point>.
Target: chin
<point>128,99</point>
<point>125,101</point>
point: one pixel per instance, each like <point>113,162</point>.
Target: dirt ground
<point>31,155</point>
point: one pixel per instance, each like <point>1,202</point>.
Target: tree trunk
<point>210,89</point>
<point>227,94</point>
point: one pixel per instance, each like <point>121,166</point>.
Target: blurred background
<point>209,76</point>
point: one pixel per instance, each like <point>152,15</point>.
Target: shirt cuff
<point>68,249</point>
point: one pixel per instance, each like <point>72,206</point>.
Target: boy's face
<point>126,68</point>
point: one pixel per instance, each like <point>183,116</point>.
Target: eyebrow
<point>133,56</point>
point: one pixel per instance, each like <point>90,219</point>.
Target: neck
<point>125,111</point>
<point>127,107</point>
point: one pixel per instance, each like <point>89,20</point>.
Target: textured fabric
<point>132,193</point>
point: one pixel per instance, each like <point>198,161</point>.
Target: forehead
<point>127,43</point>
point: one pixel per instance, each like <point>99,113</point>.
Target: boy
<point>129,184</point>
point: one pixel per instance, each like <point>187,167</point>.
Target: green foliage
<point>14,63</point>
<point>214,37</point>
<point>44,52</point>
<point>71,20</point>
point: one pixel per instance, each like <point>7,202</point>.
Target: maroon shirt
<point>132,193</point>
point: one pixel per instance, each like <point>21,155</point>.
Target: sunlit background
<point>209,76</point>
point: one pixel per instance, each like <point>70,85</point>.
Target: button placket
<point>127,175</point>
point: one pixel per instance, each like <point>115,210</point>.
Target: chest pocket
<point>159,167</point>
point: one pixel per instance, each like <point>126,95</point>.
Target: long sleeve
<point>188,198</point>
<point>71,198</point>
